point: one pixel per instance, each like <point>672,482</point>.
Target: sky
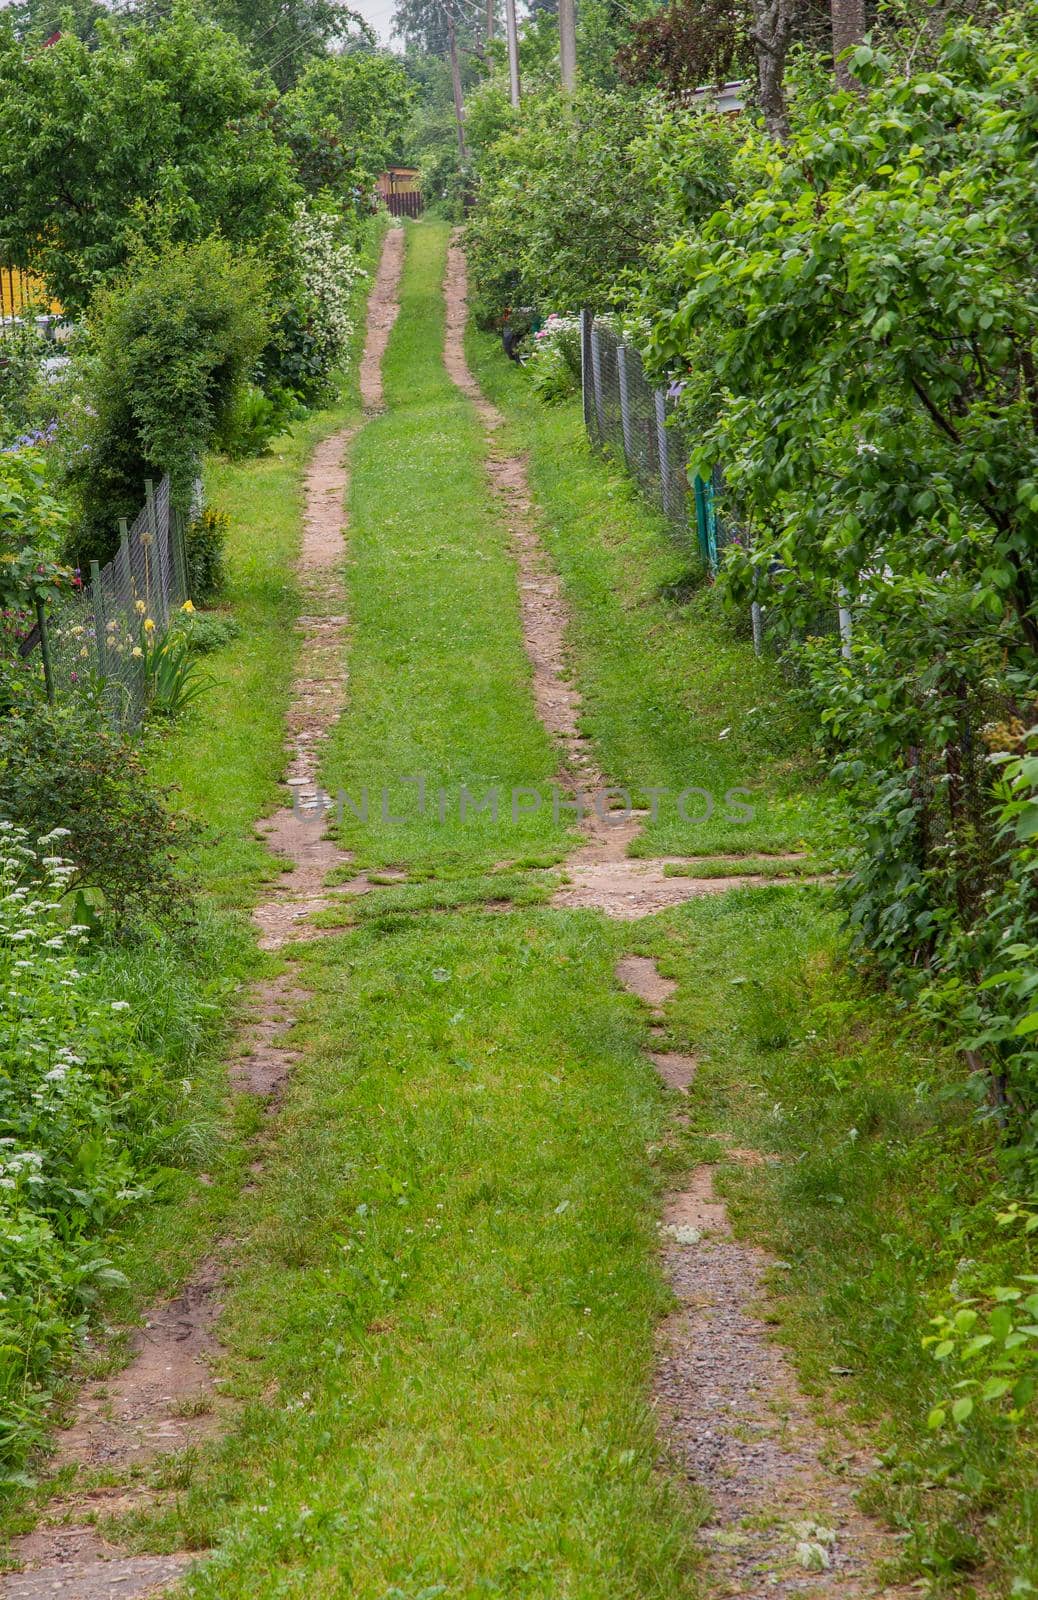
<point>380,14</point>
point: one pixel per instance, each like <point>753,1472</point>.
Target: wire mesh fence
<point>98,636</point>
<point>630,417</point>
<point>625,413</point>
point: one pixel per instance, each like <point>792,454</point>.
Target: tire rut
<point>600,875</point>
<point>733,1422</point>
<point>166,1399</point>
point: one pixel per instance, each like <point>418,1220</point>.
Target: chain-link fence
<point>627,415</point>
<point>99,636</point>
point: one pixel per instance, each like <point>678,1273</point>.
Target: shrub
<point>256,418</point>
<point>33,518</point>
<point>171,346</point>
<point>80,1100</point>
<point>25,404</point>
<point>554,364</point>
<point>206,539</point>
<point>209,631</point>
<point>65,767</point>
<point>315,328</point>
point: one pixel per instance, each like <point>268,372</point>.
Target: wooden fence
<point>404,205</point>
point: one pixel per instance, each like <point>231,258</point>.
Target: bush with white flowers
<point>71,1077</point>
<point>554,361</point>
<point>316,331</point>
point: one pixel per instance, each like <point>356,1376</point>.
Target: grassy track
<point>439,681</point>
<point>441,1325</point>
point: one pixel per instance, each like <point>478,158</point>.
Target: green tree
<point>345,121</point>
<point>158,132</point>
<point>41,19</point>
<point>563,214</point>
<point>284,36</point>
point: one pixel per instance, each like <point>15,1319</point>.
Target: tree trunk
<point>772,31</point>
<point>848,30</point>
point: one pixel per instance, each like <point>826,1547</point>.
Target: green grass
<point>439,680</point>
<point>455,1310</point>
<point>672,697</point>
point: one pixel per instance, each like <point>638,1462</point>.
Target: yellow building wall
<point>19,289</point>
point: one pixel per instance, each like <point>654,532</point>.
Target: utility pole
<point>513,52</point>
<point>848,30</point>
<point>568,44</point>
<point>459,112</point>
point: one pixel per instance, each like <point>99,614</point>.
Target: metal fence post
<point>625,403</point>
<point>99,616</point>
<point>153,561</point>
<point>48,666</point>
<point>846,625</point>
<point>586,379</point>
<point>663,449</point>
<point>596,378</point>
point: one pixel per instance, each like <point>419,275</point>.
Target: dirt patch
<point>383,306</point>
<point>125,1578</point>
<point>676,1070</point>
<point>162,1403</point>
<point>731,1417</point>
<point>637,887</point>
<point>640,976</point>
<point>165,1401</point>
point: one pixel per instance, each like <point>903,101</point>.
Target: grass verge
<point>671,697</point>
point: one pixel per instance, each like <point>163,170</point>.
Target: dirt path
<point>732,1418</point>
<point>601,875</point>
<point>166,1400</point>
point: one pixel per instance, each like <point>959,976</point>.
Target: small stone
<point>682,1233</point>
